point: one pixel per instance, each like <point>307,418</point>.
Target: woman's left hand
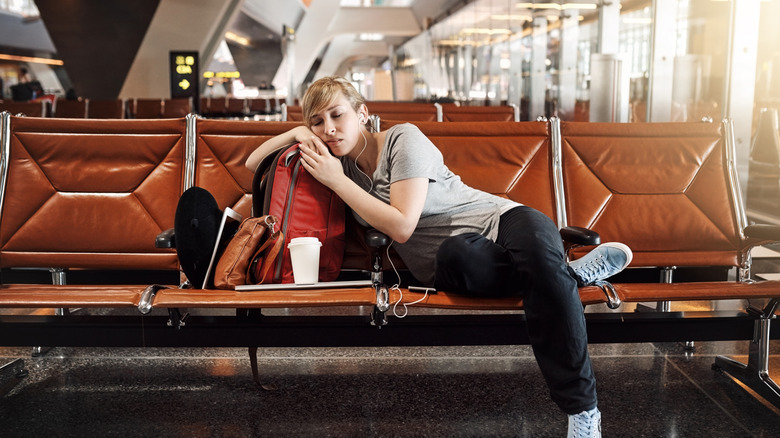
<point>320,163</point>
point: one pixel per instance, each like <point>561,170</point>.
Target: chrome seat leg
<point>58,277</point>
<point>755,374</point>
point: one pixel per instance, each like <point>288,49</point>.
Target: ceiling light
<point>579,6</point>
<point>371,37</point>
<point>512,17</point>
<point>33,59</point>
<point>455,43</point>
<point>485,31</point>
<point>637,20</point>
<point>556,6</point>
<point>230,36</point>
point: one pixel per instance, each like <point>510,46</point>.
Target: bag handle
<point>267,253</point>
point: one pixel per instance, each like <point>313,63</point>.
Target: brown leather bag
<point>250,254</point>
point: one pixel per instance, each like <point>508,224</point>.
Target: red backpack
<point>305,208</point>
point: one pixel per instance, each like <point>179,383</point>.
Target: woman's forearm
<point>273,144</point>
<point>399,218</point>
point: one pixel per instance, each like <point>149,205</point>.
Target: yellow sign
<point>185,60</point>
<point>184,74</point>
<point>222,74</point>
<point>229,74</point>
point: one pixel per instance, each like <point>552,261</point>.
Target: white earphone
<point>362,120</point>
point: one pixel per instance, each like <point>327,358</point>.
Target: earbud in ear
<point>362,119</point>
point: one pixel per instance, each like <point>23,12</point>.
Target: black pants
<point>528,259</point>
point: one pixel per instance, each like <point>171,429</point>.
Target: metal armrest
<point>376,239</point>
<point>770,233</point>
<point>580,236</point>
<point>166,239</point>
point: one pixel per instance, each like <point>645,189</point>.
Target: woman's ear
<point>363,114</point>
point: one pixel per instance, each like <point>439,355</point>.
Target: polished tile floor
<point>645,390</point>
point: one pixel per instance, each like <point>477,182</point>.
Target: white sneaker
<point>586,424</point>
<point>603,262</point>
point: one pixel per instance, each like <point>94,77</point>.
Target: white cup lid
<point>304,241</point>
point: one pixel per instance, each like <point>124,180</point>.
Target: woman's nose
<point>330,127</point>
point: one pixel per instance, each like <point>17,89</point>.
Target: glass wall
<point>541,55</point>
<point>768,62</point>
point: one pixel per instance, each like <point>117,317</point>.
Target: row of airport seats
<point>102,109</point>
<point>232,107</point>
<point>425,112</point>
<point>229,107</point>
<point>669,191</point>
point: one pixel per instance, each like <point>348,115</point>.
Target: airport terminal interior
<point>595,61</point>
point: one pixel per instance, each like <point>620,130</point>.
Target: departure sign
<point>184,75</point>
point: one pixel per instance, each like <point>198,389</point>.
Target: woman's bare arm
<point>297,134</point>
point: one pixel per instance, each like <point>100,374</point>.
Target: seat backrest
<point>70,109</point>
<point>93,194</point>
<point>106,109</point>
<point>217,107</point>
<point>205,106</point>
<point>30,109</point>
<point>177,107</point>
<point>293,113</point>
<point>404,111</point>
<point>452,113</point>
<point>259,105</point>
<point>661,188</point>
<point>222,147</point>
<point>236,107</point>
<point>147,108</point>
<point>508,159</point>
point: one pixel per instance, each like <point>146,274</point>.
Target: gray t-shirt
<point>451,207</point>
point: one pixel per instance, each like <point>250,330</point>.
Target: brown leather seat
<point>70,109</point>
<point>293,113</point>
<point>406,111</point>
<point>28,109</point>
<point>89,194</point>
<point>452,113</point>
<point>177,107</point>
<point>147,108</point>
<point>106,109</point>
<point>507,159</point>
<point>664,189</point>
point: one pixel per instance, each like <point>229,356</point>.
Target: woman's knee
<point>471,263</point>
<point>531,237</point>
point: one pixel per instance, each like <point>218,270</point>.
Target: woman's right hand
<point>299,134</point>
<point>302,134</point>
<point>306,137</point>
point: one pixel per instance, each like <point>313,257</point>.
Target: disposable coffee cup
<point>305,255</point>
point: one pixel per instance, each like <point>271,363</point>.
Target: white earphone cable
<point>397,287</point>
<point>365,144</point>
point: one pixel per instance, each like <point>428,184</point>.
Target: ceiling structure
<point>332,36</point>
<point>338,36</point>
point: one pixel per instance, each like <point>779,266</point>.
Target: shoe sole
<point>623,247</point>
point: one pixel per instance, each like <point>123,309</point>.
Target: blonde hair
<point>324,91</point>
